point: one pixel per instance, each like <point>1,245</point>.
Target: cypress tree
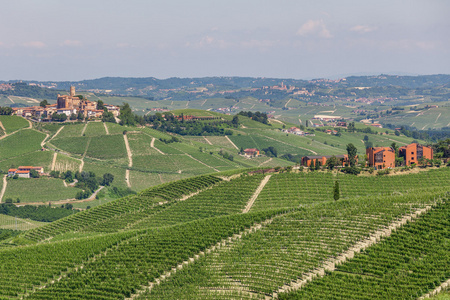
<point>336,191</point>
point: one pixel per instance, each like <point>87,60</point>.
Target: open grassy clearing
<point>22,142</point>
<point>143,180</point>
<point>38,190</point>
<point>10,222</point>
<point>140,144</point>
<point>13,123</point>
<point>36,158</point>
<point>95,129</point>
<point>73,145</point>
<point>71,130</point>
<point>107,147</point>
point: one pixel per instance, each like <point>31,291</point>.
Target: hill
<point>245,236</point>
<point>144,157</point>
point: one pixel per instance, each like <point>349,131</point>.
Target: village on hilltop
<point>68,105</point>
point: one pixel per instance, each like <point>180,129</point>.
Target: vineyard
<point>239,235</point>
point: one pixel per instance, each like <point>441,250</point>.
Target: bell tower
<point>72,91</point>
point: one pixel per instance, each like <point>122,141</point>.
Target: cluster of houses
<point>297,131</point>
<point>68,105</point>
<point>377,157</point>
<point>24,171</point>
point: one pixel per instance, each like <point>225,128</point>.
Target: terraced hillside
<point>244,236</point>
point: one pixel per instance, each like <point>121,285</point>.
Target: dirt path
<point>397,141</point>
<point>437,118</point>
<point>56,133</point>
<point>231,142</point>
<point>84,128</point>
<point>202,162</point>
<point>43,141</point>
<point>275,120</point>
<point>30,125</point>
<point>152,144</point>
<point>264,162</point>
<point>11,99</point>
<point>256,194</point>
<point>127,178</point>
<point>54,161</point>
<point>2,127</point>
<point>81,165</point>
<point>204,102</point>
<point>285,106</point>
<point>445,285</point>
<point>106,128</point>
<point>207,140</point>
<point>5,182</point>
<point>130,160</point>
<point>129,154</point>
<point>222,244</point>
<point>330,265</point>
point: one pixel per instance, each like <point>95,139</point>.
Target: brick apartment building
<point>381,157</point>
<point>412,153</point>
<point>384,157</point>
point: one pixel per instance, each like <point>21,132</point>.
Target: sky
<point>54,40</point>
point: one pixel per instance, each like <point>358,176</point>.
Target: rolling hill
<point>249,235</point>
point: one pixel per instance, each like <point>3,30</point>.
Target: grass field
<point>100,168</point>
<point>36,158</point>
<point>10,222</point>
<point>95,129</point>
<point>75,145</point>
<point>107,147</point>
<point>71,130</point>
<point>22,142</point>
<point>38,190</point>
<point>13,123</point>
<point>140,144</point>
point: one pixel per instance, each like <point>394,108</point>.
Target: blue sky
<point>74,40</point>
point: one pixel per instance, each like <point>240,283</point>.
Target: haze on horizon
<point>75,40</point>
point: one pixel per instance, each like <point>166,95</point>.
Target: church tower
<point>72,91</point>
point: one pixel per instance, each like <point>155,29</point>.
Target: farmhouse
<point>250,152</point>
<point>308,160</point>
<point>24,171</point>
<point>414,152</point>
<point>381,157</point>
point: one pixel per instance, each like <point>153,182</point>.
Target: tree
<point>34,174</point>
<point>100,105</point>
<point>336,191</point>
<point>235,121</point>
<point>351,151</point>
<point>108,117</point>
<point>108,178</point>
<point>44,103</point>
<point>332,162</point>
<point>126,115</point>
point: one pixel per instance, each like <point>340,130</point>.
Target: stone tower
<point>72,91</point>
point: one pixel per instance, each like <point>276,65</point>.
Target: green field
<point>230,250</point>
<point>9,222</point>
<point>38,190</point>
<point>20,143</point>
<point>13,123</point>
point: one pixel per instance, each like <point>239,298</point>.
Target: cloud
<point>71,43</point>
<point>208,41</point>
<point>314,27</point>
<point>34,44</point>
<point>363,28</point>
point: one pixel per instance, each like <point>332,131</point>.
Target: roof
<point>12,170</point>
<point>22,172</point>
<point>326,156</point>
